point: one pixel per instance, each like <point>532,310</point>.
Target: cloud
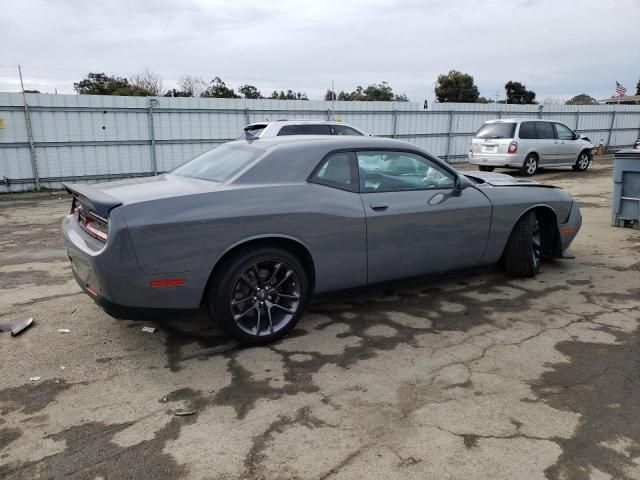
<point>553,47</point>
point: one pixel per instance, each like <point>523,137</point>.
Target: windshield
<point>219,164</point>
<point>497,130</point>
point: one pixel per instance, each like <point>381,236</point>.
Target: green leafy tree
<point>457,87</point>
<point>219,89</point>
<point>381,92</point>
<point>582,99</point>
<point>101,84</point>
<point>249,91</point>
<point>177,93</point>
<point>288,95</point>
<point>517,93</point>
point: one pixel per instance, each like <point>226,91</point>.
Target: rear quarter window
<point>305,130</point>
<point>497,130</point>
<point>527,130</point>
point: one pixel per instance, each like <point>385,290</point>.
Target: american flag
<point>620,90</point>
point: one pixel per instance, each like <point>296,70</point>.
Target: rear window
<point>307,129</point>
<point>219,164</point>
<point>497,130</point>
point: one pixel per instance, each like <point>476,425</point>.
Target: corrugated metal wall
<point>95,138</point>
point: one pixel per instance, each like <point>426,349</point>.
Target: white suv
<point>529,145</point>
<point>299,127</point>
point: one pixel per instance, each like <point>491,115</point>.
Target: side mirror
<point>460,183</point>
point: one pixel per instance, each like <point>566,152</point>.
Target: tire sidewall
<point>577,164</point>
<point>222,284</point>
<point>524,170</point>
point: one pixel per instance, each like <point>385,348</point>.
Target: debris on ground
<point>148,329</point>
<point>64,330</point>
<point>17,326</point>
<point>184,413</point>
<point>35,379</point>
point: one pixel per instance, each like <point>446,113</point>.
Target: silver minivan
<point>528,145</point>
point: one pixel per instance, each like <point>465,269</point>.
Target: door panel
<point>415,232</point>
<point>566,146</point>
<point>547,146</point>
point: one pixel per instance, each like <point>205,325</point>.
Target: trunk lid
<point>102,197</point>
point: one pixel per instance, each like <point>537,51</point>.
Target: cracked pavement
<point>466,375</point>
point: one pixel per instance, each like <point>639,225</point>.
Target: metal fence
<point>57,138</point>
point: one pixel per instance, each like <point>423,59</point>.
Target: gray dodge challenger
<point>253,228</point>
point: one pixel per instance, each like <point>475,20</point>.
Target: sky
<point>558,48</point>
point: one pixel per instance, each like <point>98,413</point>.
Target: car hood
<point>503,180</point>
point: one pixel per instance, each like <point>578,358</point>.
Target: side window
<point>305,129</point>
<point>527,130</point>
<point>344,130</point>
<point>545,130</point>
<point>564,132</point>
<point>389,171</point>
<point>337,170</point>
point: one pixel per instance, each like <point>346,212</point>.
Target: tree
<point>177,93</point>
<point>147,81</point>
<point>517,93</point>
<point>191,86</point>
<point>289,95</point>
<point>381,92</point>
<point>101,84</point>
<point>456,86</point>
<point>249,91</point>
<point>582,99</point>
<point>638,88</point>
<point>219,89</point>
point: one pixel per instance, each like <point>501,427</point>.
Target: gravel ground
<point>471,375</point>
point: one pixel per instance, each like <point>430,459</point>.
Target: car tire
<point>529,166</point>
<point>256,301</point>
<point>523,253</point>
<point>582,163</point>
<point>484,168</point>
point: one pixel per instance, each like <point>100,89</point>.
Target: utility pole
<point>333,101</point>
<point>32,147</point>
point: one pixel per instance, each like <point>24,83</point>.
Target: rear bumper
<point>570,229</point>
<point>496,159</point>
<point>111,276</point>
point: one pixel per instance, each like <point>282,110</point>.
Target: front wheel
<point>524,249</point>
<point>484,168</point>
<point>582,163</point>
<point>530,166</point>
<point>259,295</point>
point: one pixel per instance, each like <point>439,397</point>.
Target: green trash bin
<point>626,189</point>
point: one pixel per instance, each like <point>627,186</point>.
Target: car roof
<point>296,122</point>
<point>516,120</point>
<point>328,141</point>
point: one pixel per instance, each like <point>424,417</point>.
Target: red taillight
<point>93,224</point>
<point>92,290</point>
<point>513,147</point>
<point>172,282</point>
<point>89,226</point>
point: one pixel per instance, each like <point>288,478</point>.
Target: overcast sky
<point>558,48</point>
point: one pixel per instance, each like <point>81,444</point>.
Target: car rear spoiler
<point>98,201</point>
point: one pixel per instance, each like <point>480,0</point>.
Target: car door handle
<point>378,207</point>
